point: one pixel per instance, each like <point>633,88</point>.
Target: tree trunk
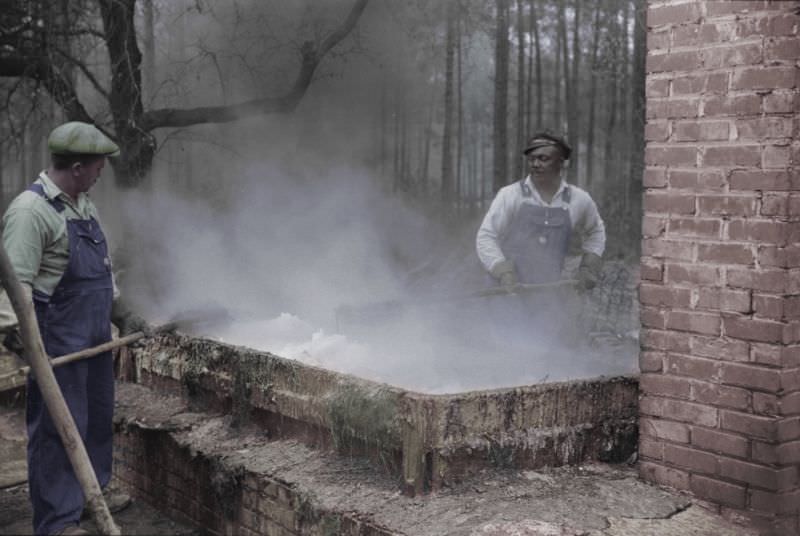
<point>592,97</point>
<point>500,176</point>
<point>611,109</point>
<point>638,121</point>
<point>459,110</point>
<point>447,137</point>
<point>149,38</point>
<point>521,112</point>
<point>573,108</point>
<point>564,43</point>
<point>534,22</point>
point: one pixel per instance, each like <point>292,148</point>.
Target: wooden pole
<point>53,398</point>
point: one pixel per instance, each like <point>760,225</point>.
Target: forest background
<point>426,102</point>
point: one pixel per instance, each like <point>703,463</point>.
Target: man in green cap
<point>59,252</point>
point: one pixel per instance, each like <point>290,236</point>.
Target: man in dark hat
<point>541,229</point>
<point>59,252</point>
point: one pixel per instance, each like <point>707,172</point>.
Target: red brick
<point>660,295</point>
<point>670,156</point>
<point>651,317</point>
<point>750,376</point>
<point>732,155</point>
<point>650,361</point>
<point>657,41</point>
<point>765,78</point>
<point>673,61</point>
<point>692,459</point>
<point>651,270</point>
<point>700,83</point>
<point>772,257</point>
<point>651,339</point>
<point>664,385</point>
<point>668,249</point>
<point>736,301</point>
<point>703,180</point>
<point>679,410</point>
<point>751,329</point>
<point>767,280</point>
<point>759,231</point>
<point>694,321</point>
<point>788,453</point>
<point>652,226</point>
<point>672,108</point>
<point>692,366</point>
<point>685,35</point>
<point>718,491</point>
<point>726,253</point>
<point>783,50</point>
<point>670,203</point>
<point>779,503</point>
<point>761,180</point>
<point>732,55</point>
<point>766,453</point>
<point>692,274</point>
<point>716,8</point>
<point>654,178</point>
<point>750,473</point>
<point>723,105</point>
<point>766,354</point>
<point>720,348</point>
<point>672,14</point>
<point>656,131</point>
<point>660,429</point>
<point>694,228</point>
<point>750,425</point>
<point>775,156</point>
<point>768,306</point>
<point>790,404</point>
<point>720,395</point>
<point>663,475</point>
<point>775,25</point>
<point>716,441</point>
<point>701,131</point>
<point>649,449</point>
<point>726,205</point>
<point>764,128</point>
<point>781,102</point>
<point>790,379</point>
<point>788,429</point>
<point>775,204</point>
<point>766,404</point>
<point>790,356</point>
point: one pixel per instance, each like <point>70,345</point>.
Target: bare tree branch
<point>310,60</point>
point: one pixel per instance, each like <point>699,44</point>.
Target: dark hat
<point>76,137</point>
<point>543,139</point>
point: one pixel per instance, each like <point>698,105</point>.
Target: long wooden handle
<point>53,398</point>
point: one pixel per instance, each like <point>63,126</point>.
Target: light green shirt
<point>37,242</point>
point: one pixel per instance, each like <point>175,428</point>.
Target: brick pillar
<point>720,289</point>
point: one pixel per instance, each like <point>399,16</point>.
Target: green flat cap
<point>80,138</point>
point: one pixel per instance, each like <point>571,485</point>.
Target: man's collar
<point>561,187</point>
<point>52,191</point>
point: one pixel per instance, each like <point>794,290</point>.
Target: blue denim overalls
<point>77,316</point>
<point>537,243</point>
<point>538,240</point>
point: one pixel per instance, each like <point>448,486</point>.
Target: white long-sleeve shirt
<point>588,230</point>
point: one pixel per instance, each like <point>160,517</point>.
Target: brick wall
<point>202,491</point>
<point>720,289</point>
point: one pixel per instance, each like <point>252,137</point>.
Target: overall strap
<point>39,189</point>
